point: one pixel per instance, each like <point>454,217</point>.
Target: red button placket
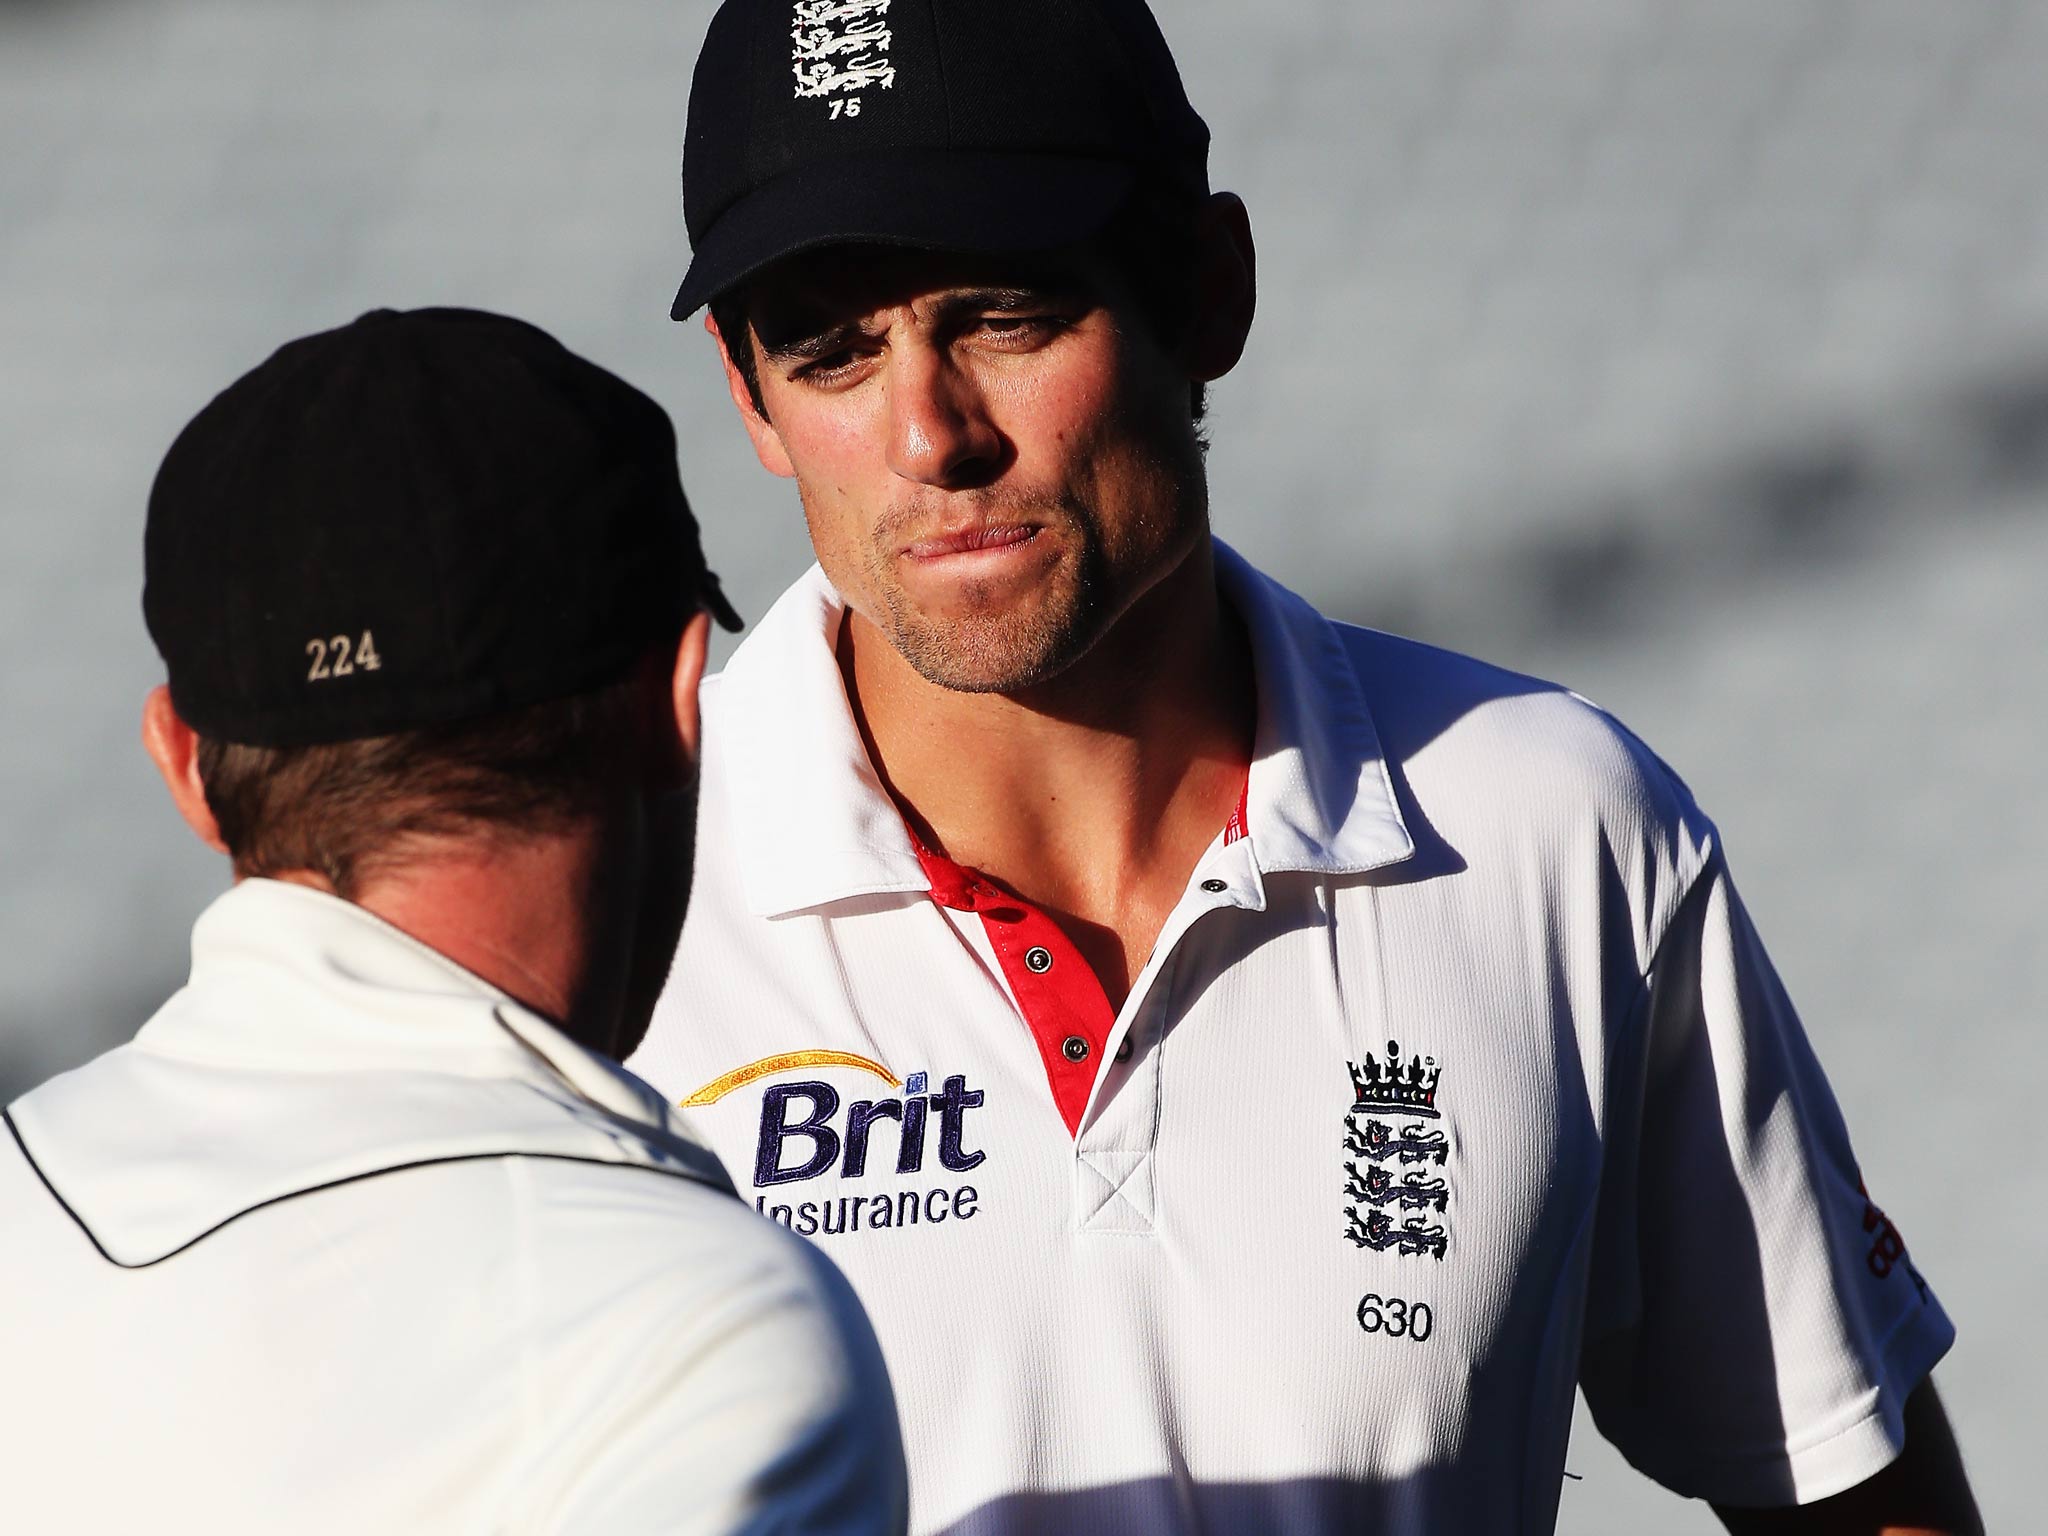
<point>1062,1000</point>
<point>1056,989</point>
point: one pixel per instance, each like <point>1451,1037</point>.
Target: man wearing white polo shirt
<point>1252,1068</point>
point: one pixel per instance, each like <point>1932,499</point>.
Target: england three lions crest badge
<point>1395,1183</point>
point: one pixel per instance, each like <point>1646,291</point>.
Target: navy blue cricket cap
<point>414,520</point>
<point>967,125</point>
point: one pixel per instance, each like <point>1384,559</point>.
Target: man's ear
<point>685,676</point>
<point>688,673</point>
<point>1225,287</point>
<point>667,689</point>
<point>767,445</point>
<point>174,747</point>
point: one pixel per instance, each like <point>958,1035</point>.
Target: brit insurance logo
<point>1394,1181</point>
<point>841,50</point>
<point>884,1159</point>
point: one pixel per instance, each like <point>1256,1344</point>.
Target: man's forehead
<point>837,283</point>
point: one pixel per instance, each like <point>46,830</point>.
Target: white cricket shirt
<point>348,1241</point>
<point>1457,1076</point>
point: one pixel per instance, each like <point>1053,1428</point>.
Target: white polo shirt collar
<point>813,825</point>
<point>315,1044</point>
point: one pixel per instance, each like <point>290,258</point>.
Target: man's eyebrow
<point>1005,298</point>
<point>950,306</point>
<point>809,348</point>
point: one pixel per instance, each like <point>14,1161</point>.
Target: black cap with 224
<point>413,520</point>
<point>968,125</point>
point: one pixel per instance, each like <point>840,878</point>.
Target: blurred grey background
<point>1694,352</point>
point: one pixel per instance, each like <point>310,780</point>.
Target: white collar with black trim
<point>317,1044</point>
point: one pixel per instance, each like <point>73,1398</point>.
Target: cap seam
<point>430,538</point>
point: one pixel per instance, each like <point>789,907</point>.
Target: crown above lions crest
<point>1394,1086</point>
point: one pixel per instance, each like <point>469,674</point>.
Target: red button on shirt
<point>1059,994</point>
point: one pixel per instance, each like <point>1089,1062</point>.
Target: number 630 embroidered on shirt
<point>1396,1317</point>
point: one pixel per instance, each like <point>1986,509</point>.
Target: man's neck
<point>526,915</point>
<point>1094,794</point>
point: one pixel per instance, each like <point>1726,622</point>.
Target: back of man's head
<point>415,580</point>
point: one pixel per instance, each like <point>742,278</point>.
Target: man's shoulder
<point>1496,771</point>
<point>676,1264</point>
<point>631,1269</point>
<point>1445,714</point>
<point>615,1218</point>
<point>578,1218</point>
<point>1497,741</point>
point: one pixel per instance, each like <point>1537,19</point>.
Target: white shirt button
<point>1074,1048</point>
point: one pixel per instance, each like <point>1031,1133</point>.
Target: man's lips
<point>967,541</point>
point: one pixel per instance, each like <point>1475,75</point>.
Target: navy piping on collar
<point>314,1189</point>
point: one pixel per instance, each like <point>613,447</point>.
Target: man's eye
<point>831,367</point>
<point>1019,326</point>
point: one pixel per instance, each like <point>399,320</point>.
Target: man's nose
<point>940,432</point>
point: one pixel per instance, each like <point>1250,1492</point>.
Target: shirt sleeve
<point>1755,1321</point>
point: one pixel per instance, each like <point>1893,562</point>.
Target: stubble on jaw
<point>992,642</point>
<point>996,639</point>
